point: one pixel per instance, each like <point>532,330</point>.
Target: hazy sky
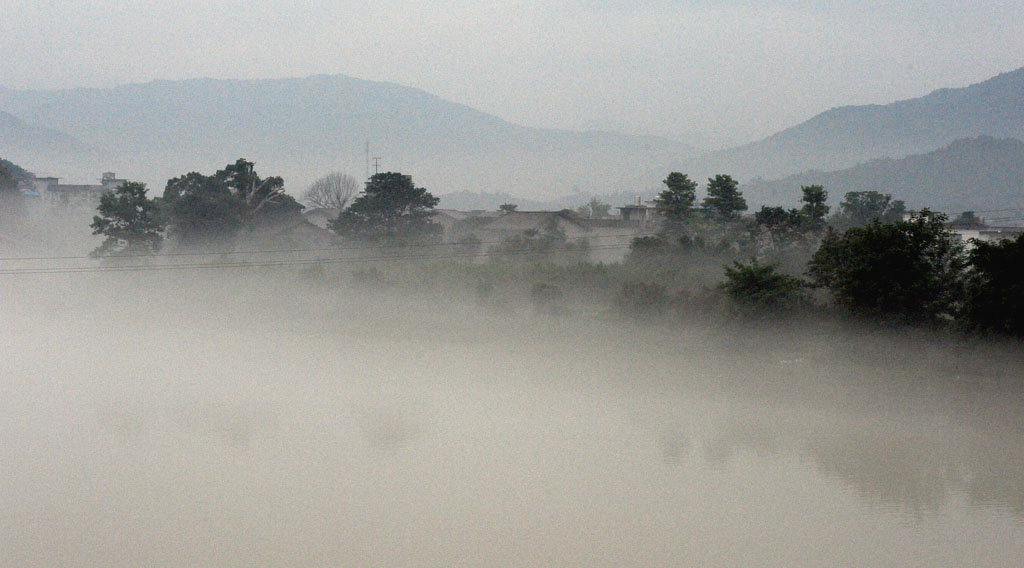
<point>732,70</point>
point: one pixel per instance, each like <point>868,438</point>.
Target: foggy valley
<point>506,284</point>
<point>241,417</point>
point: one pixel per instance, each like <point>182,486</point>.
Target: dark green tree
<point>202,209</point>
<point>814,210</point>
<point>777,217</point>
<point>129,220</point>
<point>8,185</point>
<point>11,202</point>
<point>212,209</point>
<point>675,202</point>
<point>908,270</point>
<point>12,174</point>
<point>760,289</point>
<point>390,209</point>
<point>859,208</point>
<point>649,248</point>
<point>995,291</point>
<point>264,198</point>
<point>507,207</point>
<point>724,201</point>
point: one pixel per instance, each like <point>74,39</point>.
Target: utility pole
<point>376,165</point>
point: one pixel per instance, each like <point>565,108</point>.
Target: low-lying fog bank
<point>238,419</point>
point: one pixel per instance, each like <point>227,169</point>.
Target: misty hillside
<point>845,136</point>
<point>303,128</point>
<point>46,151</point>
<point>976,174</point>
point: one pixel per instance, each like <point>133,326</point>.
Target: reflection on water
<point>901,466</point>
<point>427,451</point>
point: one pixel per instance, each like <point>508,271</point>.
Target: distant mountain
<point>978,174</point>
<point>845,136</point>
<point>43,150</point>
<point>303,128</point>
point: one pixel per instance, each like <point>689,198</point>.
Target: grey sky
<point>732,70</point>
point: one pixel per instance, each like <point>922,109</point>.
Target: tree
<point>967,220</point>
<point>261,196</point>
<point>214,208</point>
<point>909,270</point>
<point>332,191</point>
<point>775,218</point>
<point>8,185</point>
<point>859,208</point>
<point>129,221</point>
<point>760,288</point>
<point>202,209</point>
<point>11,175</point>
<point>11,202</point>
<point>724,201</point>
<point>507,207</point>
<point>995,290</point>
<point>594,209</point>
<point>391,208</point>
<point>814,209</point>
<point>675,202</point>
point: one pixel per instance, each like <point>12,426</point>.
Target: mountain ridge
<point>301,128</point>
<point>970,174</point>
<point>844,136</point>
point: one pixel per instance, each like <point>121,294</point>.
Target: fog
<point>254,418</point>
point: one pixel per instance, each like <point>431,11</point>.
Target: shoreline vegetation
<point>870,263</point>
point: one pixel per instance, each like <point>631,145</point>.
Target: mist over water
<point>244,419</point>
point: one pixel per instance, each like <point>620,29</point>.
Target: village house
<point>644,215</point>
<point>50,190</point>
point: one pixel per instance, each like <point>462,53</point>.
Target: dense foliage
<point>202,208</point>
<point>724,201</point>
<point>995,291</point>
<point>12,174</point>
<point>675,202</point>
<point>760,288</point>
<point>908,270</point>
<point>701,261</point>
<point>860,208</point>
<point>390,209</point>
<point>129,221</point>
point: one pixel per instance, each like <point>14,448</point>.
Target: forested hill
<point>976,174</point>
<point>845,136</point>
<point>302,128</point>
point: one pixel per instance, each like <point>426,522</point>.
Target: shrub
<point>760,288</point>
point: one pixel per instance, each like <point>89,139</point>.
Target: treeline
<point>868,259</point>
<point>871,259</point>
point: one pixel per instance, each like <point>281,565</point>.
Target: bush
<point>995,290</point>
<point>760,288</point>
<point>908,270</point>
